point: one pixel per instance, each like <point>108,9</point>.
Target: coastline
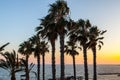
<point>99,77</point>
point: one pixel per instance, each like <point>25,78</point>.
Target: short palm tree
<point>95,36</point>
<point>35,40</point>
<point>23,63</point>
<point>44,48</point>
<point>70,49</point>
<point>10,63</point>
<point>59,10</point>
<point>26,49</point>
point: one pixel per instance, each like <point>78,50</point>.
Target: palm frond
<point>38,28</point>
<point>99,46</point>
<point>31,66</point>
<point>80,48</point>
<point>103,32</point>
<point>101,42</point>
<point>2,47</point>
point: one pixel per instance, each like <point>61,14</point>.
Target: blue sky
<point>18,19</point>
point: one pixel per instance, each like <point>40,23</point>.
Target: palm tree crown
<point>70,48</point>
<point>95,37</point>
<point>10,63</point>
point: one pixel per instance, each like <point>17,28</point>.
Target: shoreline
<point>109,74</point>
<point>99,77</point>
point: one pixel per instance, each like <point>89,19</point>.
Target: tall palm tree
<point>2,47</point>
<point>70,49</point>
<point>35,40</point>
<point>26,49</point>
<point>95,36</point>
<point>80,34</point>
<point>48,30</point>
<point>10,63</point>
<point>44,49</point>
<point>59,10</point>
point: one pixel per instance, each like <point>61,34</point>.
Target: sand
<point>108,77</point>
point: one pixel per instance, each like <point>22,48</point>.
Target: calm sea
<point>4,75</point>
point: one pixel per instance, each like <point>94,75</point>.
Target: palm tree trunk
<point>85,62</point>
<point>62,56</point>
<point>13,75</point>
<point>74,67</point>
<point>94,64</point>
<point>26,70</point>
<point>38,67</point>
<point>43,66</point>
<point>53,61</point>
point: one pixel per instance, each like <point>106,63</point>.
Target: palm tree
<point>26,49</point>
<point>71,50</point>
<point>35,40</point>
<point>95,36</point>
<point>48,30</point>
<point>2,47</point>
<point>80,34</point>
<point>23,63</point>
<point>59,10</point>
<point>44,49</point>
<point>10,63</point>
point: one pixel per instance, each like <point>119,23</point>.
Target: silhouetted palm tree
<point>26,49</point>
<point>70,49</point>
<point>47,29</point>
<point>23,63</point>
<point>10,63</point>
<point>44,49</point>
<point>59,10</point>
<point>80,34</point>
<point>35,40</point>
<point>2,47</point>
<point>96,38</point>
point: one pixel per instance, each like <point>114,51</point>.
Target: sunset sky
<point>19,18</point>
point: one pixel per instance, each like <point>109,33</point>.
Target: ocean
<point>4,75</point>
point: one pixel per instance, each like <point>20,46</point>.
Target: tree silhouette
<point>95,36</point>
<point>26,49</point>
<point>70,49</point>
<point>10,63</point>
<point>80,34</point>
<point>48,30</point>
<point>59,10</point>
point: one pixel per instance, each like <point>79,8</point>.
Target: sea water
<point>4,74</point>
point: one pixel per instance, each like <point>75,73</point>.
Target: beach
<point>108,77</point>
<point>100,77</point>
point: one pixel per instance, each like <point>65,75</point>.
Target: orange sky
<point>102,58</point>
<point>107,55</point>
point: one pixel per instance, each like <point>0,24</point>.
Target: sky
<point>19,18</point>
